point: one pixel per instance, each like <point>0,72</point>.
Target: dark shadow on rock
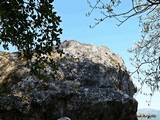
<point>82,90</point>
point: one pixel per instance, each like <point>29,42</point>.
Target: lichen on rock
<point>91,83</point>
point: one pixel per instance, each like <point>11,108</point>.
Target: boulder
<point>91,83</point>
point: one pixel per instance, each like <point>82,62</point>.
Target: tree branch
<point>143,64</point>
<point>111,14</point>
<point>155,1</point>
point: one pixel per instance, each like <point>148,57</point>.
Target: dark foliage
<point>33,27</point>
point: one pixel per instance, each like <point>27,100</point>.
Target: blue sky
<point>75,26</point>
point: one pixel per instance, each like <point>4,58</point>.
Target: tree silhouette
<point>33,27</point>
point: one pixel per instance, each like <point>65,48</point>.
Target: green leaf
<point>29,27</point>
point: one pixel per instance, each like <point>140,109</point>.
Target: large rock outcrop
<point>92,83</point>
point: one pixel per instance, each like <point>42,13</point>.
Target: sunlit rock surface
<point>92,83</point>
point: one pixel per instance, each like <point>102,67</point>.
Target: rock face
<point>92,83</point>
